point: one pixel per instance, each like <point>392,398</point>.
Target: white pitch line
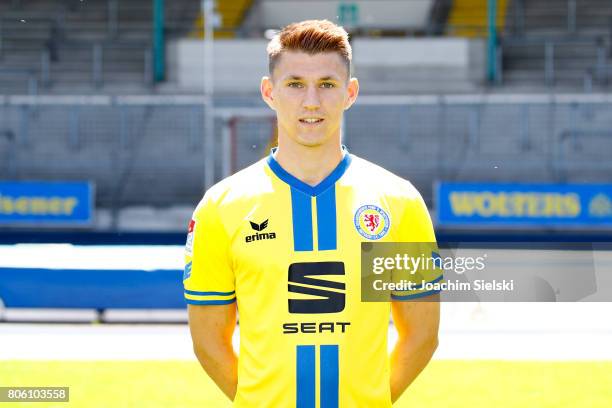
<point>94,342</point>
<point>502,331</point>
<point>81,342</point>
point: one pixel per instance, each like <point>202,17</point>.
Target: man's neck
<point>310,165</point>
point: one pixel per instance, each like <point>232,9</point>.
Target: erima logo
<point>259,235</point>
<point>259,227</point>
<point>324,300</point>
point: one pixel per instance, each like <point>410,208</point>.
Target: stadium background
<point>133,108</point>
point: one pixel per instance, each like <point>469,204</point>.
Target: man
<point>283,237</point>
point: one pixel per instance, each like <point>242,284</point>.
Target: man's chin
<point>311,140</point>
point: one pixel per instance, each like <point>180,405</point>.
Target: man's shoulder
<point>240,186</point>
<point>364,174</point>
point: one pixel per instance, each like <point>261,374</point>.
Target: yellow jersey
<point>289,254</point>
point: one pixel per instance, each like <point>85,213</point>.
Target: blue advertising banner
<point>31,203</point>
<point>537,205</point>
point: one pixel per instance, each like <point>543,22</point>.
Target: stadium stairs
<point>63,36</point>
<point>576,48</point>
<point>469,18</point>
<point>231,15</point>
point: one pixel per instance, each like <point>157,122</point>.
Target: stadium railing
<point>599,74</point>
<point>573,140</point>
<point>30,78</point>
<point>118,142</point>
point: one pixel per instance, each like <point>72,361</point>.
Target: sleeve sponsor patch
<point>190,237</point>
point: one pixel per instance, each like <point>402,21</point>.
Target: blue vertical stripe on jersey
<point>305,377</point>
<point>329,376</point>
<point>301,209</point>
<point>326,219</point>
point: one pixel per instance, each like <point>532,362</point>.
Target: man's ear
<point>266,91</point>
<point>352,91</point>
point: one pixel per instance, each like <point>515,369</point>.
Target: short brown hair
<point>312,37</point>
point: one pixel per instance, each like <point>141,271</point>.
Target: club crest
<point>371,221</point>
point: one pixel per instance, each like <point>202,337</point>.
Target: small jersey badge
<point>190,235</point>
<point>187,271</point>
<point>372,222</point>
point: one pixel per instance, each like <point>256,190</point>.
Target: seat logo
<point>327,296</point>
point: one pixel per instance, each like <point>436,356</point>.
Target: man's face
<point>309,94</point>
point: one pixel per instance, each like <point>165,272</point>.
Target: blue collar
<point>303,187</point>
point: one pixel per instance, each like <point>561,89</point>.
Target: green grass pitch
<point>447,384</point>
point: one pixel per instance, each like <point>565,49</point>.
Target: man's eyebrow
<point>299,78</point>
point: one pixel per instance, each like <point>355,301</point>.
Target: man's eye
<point>294,85</point>
<point>327,85</point>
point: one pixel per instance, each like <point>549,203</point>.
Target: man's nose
<point>311,100</point>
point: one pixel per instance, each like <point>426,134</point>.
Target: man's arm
<point>417,327</point>
<point>211,332</point>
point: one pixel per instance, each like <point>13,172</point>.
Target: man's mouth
<point>311,120</point>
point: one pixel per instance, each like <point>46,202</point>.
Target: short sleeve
<point>208,277</point>
<point>416,228</point>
